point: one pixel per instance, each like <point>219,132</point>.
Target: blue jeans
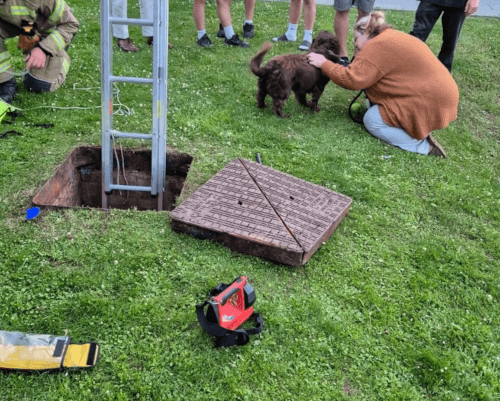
<point>453,17</point>
<point>392,135</point>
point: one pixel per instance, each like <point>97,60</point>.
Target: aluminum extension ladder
<point>159,82</point>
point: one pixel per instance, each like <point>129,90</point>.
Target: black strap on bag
<point>224,337</point>
<point>354,118</point>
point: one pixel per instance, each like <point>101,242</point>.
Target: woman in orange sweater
<point>411,93</point>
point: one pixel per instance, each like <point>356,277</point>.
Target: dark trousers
<point>425,18</point>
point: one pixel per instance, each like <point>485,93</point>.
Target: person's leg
<point>223,10</point>
<point>199,20</point>
<point>119,10</point>
<point>425,18</point>
<point>309,19</point>
<point>364,9</point>
<point>248,26</point>
<point>249,9</point>
<point>341,24</point>
<point>146,10</point>
<point>452,20</point>
<point>293,20</point>
<point>199,14</point>
<point>392,135</point>
<point>51,77</point>
<point>295,11</point>
<point>120,32</point>
<point>8,86</point>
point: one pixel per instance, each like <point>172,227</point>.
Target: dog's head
<point>327,45</point>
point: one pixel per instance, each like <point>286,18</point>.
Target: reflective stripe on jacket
<point>53,21</point>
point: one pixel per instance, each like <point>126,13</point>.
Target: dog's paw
<point>262,105</point>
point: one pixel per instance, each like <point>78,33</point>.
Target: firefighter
<point>45,29</point>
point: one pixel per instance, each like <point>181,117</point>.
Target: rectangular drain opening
<point>78,182</point>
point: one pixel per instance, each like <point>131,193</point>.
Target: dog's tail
<point>257,60</point>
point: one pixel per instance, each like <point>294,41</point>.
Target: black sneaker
<point>344,61</point>
<point>204,41</point>
<point>248,31</point>
<point>221,33</point>
<point>235,41</point>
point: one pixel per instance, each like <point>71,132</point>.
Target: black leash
<point>9,132</point>
<point>3,135</point>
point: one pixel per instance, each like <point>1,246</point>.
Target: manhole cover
<point>259,211</point>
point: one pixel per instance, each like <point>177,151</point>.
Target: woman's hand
<point>315,59</point>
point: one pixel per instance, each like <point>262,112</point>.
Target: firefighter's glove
<point>36,59</point>
<point>27,43</point>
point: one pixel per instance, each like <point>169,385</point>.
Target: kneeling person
<point>411,92</point>
<point>45,29</point>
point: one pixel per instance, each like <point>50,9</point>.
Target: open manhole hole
<point>78,182</point>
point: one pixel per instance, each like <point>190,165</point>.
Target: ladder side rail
<point>162,83</point>
<point>106,103</point>
<point>154,126</point>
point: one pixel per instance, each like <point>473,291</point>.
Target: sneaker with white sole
<point>282,38</point>
<point>304,45</point>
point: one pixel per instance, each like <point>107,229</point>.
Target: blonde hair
<point>372,24</point>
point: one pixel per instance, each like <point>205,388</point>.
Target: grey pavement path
<point>487,8</point>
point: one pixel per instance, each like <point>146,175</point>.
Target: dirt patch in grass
<point>348,389</point>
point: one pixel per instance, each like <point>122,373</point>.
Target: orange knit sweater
<point>413,89</point>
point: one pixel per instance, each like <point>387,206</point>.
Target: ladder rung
<point>130,21</point>
<point>131,135</point>
<point>129,188</point>
<point>130,80</point>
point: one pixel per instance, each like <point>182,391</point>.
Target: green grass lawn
<point>400,304</point>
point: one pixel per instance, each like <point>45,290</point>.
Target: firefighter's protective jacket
<point>53,21</point>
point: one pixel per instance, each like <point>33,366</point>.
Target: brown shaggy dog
<point>292,72</point>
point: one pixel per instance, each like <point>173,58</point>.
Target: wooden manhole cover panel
<point>254,209</point>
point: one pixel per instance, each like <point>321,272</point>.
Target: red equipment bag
<point>229,306</point>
